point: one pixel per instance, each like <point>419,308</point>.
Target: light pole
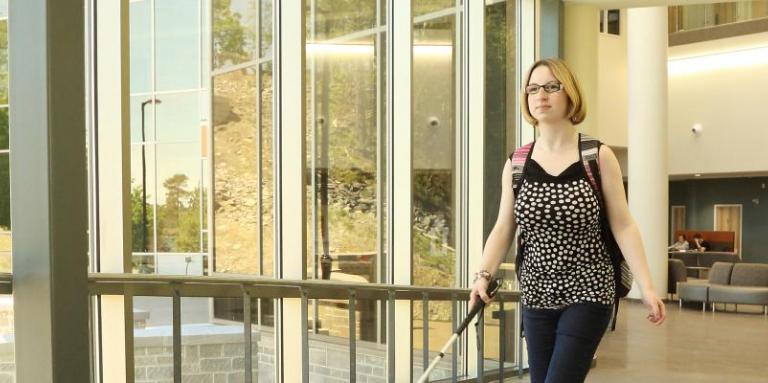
<point>144,175</point>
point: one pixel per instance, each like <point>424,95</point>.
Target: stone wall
<point>219,358</point>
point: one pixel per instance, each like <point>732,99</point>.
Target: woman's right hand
<point>479,291</point>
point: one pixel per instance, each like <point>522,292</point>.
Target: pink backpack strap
<point>590,147</point>
<point>519,158</point>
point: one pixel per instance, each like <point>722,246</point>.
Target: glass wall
<point>201,177</point>
<point>169,129</point>
<point>346,138</point>
<point>243,215</point>
<point>202,168</point>
<point>692,17</point>
<point>501,104</point>
<point>436,133</point>
<point>346,162</point>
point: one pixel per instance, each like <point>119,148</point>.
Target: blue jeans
<point>562,342</point>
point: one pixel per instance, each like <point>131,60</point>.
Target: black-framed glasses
<point>550,87</point>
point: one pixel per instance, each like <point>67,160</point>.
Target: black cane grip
<point>493,287</point>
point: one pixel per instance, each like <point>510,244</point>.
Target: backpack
<point>589,148</point>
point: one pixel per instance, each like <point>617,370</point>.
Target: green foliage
<point>232,42</point>
<point>178,223</point>
<point>138,234</point>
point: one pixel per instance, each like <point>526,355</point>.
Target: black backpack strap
<point>519,159</point>
<point>590,150</point>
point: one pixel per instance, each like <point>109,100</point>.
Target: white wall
<point>581,28</point>
<point>612,86</point>
<point>730,103</point>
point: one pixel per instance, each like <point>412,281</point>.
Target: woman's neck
<point>555,137</point>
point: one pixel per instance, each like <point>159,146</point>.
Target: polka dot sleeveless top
<point>565,258</point>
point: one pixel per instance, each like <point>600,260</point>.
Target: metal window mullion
<point>381,150</point>
<point>312,110</point>
<point>473,120</point>
<point>290,159</point>
<point>399,171</point>
<point>277,263</point>
<point>153,108</point>
<point>259,146</point>
<point>460,194</point>
<point>111,156</point>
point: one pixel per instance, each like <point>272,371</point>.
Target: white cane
<point>493,286</point>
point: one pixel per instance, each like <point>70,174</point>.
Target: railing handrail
<point>266,287</point>
<point>6,283</point>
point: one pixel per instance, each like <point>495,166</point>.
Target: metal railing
<point>6,283</point>
<point>250,287</point>
<point>686,18</point>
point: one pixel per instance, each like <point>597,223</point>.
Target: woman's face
<point>680,238</point>
<point>545,106</point>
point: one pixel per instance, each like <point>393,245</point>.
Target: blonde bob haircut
<point>577,108</point>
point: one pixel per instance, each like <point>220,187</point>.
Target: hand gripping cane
<point>493,287</point>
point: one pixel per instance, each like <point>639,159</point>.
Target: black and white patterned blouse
<point>565,258</point>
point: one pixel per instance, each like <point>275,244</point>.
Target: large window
<point>243,208</point>
<point>346,162</point>
<point>346,138</point>
<point>436,143</point>
<point>169,130</point>
<point>203,167</point>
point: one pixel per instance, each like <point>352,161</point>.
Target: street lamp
<point>144,174</point>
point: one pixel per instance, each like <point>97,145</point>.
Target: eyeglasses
<point>550,87</point>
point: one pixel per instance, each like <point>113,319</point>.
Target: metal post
<point>176,336</point>
<point>247,321</point>
<point>391,337</point>
<point>519,317</point>
<point>352,338</point>
<point>304,337</point>
<point>425,331</point>
<point>502,339</point>
<point>455,348</point>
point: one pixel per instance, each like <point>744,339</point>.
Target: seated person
<point>681,244</point>
<point>699,243</point>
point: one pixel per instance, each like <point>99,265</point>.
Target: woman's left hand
<point>656,311</point>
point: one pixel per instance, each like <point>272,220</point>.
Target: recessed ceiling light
<point>697,175</point>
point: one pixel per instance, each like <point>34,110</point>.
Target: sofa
<point>748,285</point>
<point>697,290</point>
<point>696,261</point>
<point>745,283</point>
